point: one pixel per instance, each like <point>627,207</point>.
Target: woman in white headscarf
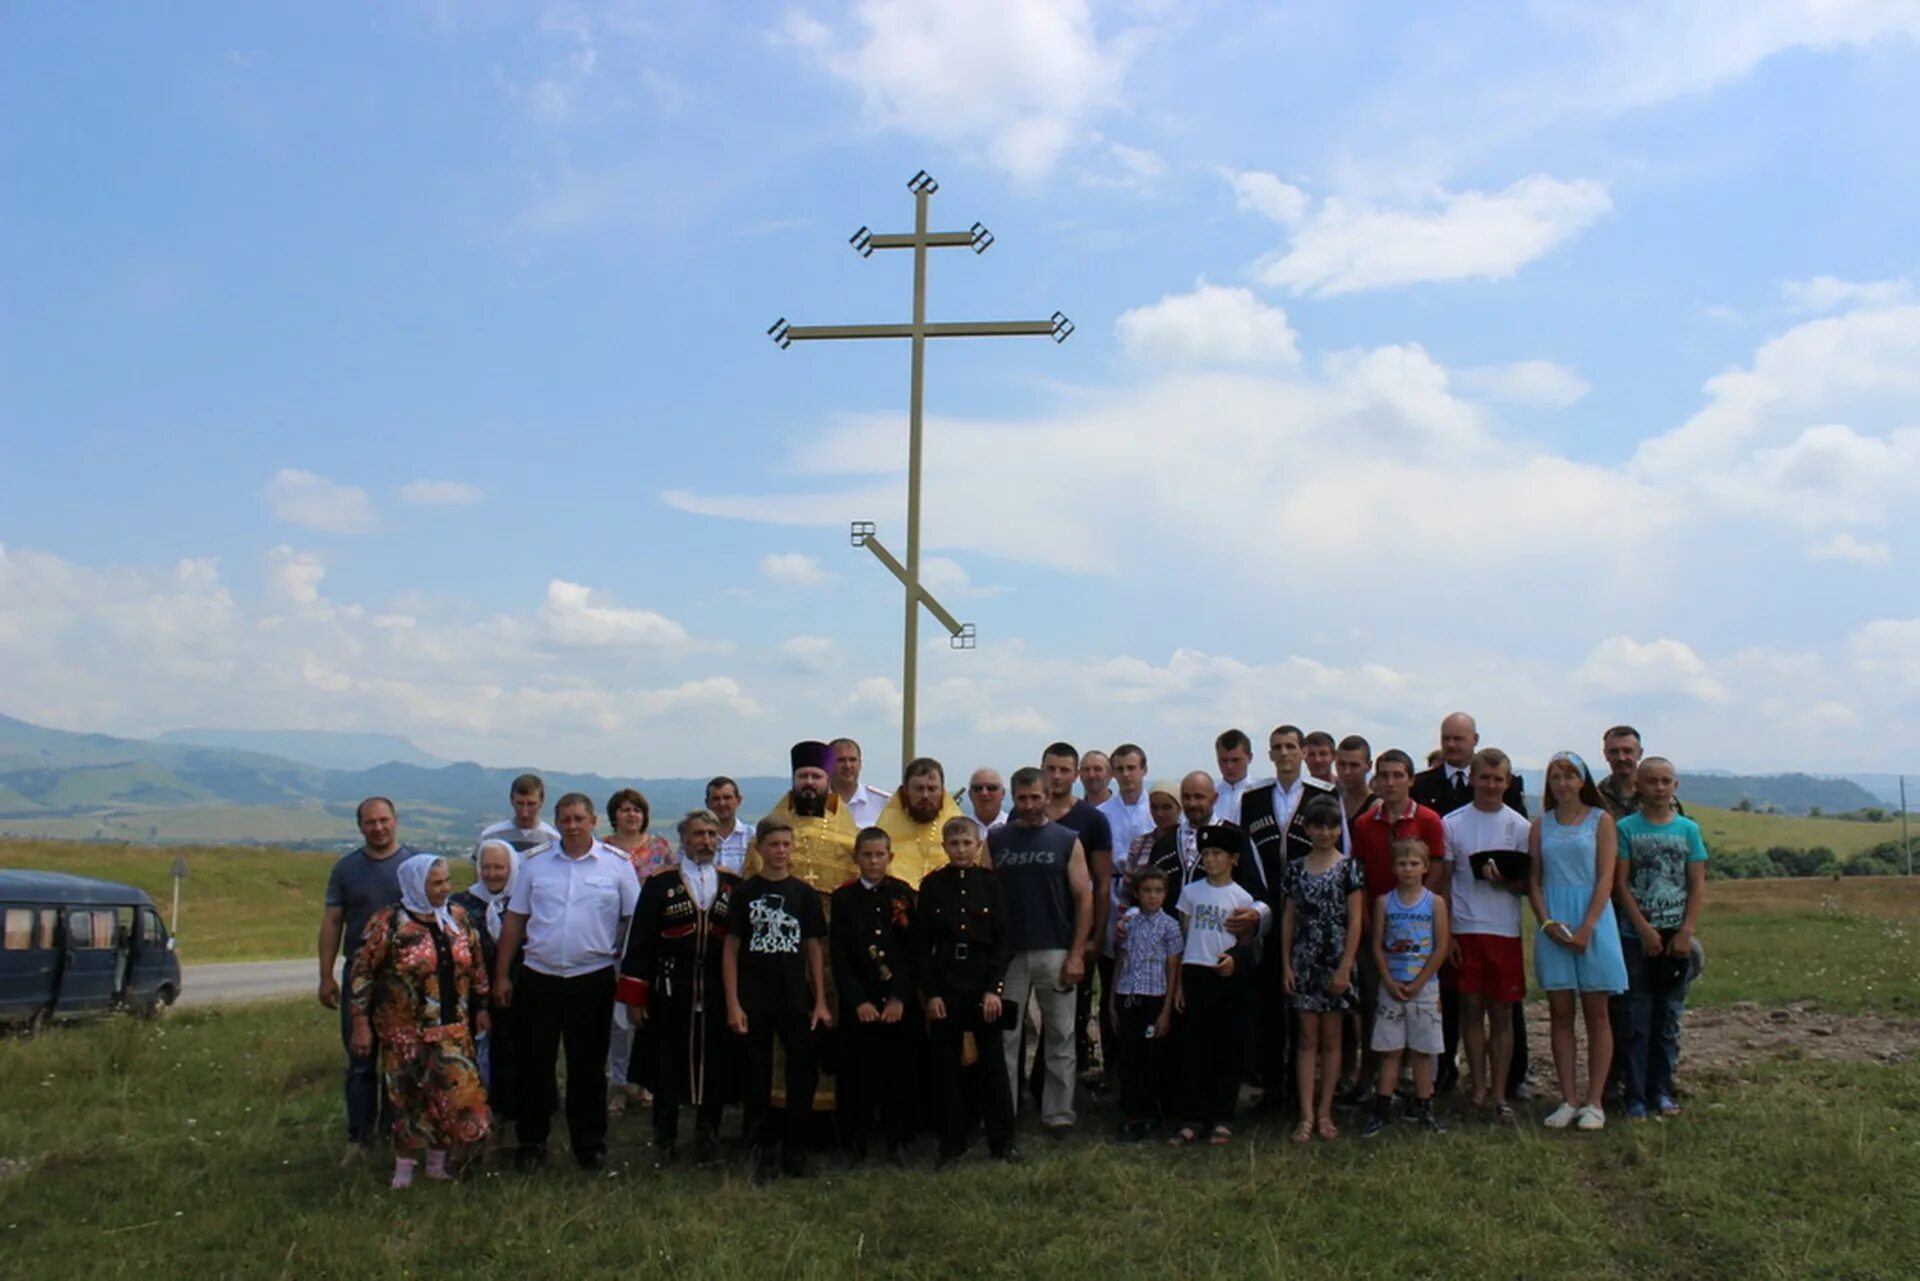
<point>420,982</point>
<point>485,900</point>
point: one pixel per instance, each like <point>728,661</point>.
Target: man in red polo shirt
<point>1397,815</point>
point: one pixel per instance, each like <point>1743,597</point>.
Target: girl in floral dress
<point>1325,896</point>
<point>419,981</point>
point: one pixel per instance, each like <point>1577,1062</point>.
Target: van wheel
<point>158,1005</point>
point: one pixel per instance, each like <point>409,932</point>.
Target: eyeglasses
<point>984,787</point>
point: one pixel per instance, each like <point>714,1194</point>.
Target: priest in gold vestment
<point>912,820</point>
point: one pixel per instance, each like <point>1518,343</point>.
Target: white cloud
<point>805,654</point>
<point>1819,430</point>
<point>304,498</point>
<point>1344,247</point>
<point>1540,383</point>
<point>1286,469</point>
<point>574,616</point>
<point>1651,51</point>
<point>440,493</point>
<point>1623,665</point>
<point>1213,325</point>
<point>1844,546</point>
<point>1021,79</point>
<point>295,576</point>
<point>793,569</point>
<point>1828,293</point>
<point>879,693</point>
<point>1268,196</point>
<point>1890,649</point>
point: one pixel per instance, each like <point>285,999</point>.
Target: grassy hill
<point>1727,830</point>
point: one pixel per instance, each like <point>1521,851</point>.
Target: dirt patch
<point>1730,1037</point>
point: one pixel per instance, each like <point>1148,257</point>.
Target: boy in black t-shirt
<point>774,972</point>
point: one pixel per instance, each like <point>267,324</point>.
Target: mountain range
<point>299,788</point>
<point>177,789</point>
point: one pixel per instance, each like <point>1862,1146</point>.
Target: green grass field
<point>207,1144</point>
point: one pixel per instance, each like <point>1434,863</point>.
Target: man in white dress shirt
<point>1233,752</point>
<point>571,904</point>
<point>723,801</point>
<point>862,803</point>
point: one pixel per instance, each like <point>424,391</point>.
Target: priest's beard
<point>807,803</point>
<point>924,814</point>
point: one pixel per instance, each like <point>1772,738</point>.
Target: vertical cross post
<point>917,331</point>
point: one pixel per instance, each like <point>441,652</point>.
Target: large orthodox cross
<point>1057,327</point>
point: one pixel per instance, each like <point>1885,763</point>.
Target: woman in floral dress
<point>419,982</point>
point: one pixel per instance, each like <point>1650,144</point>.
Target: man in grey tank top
<point>1043,874</point>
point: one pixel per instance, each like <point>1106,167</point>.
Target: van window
<point>49,928</point>
<point>19,929</point>
<point>152,932</point>
<point>79,929</point>
<point>103,931</point>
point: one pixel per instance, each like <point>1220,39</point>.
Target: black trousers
<point>791,1028</point>
<point>988,1073</point>
<point>1210,1045</point>
<point>879,1064</point>
<point>1272,1028</point>
<point>576,1012</point>
<point>681,1045</point>
<point>1139,1058</point>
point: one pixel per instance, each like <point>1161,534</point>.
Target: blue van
<point>72,946</point>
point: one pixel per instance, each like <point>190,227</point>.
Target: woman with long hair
<point>1577,956</point>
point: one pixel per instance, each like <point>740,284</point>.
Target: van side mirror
<point>170,941</point>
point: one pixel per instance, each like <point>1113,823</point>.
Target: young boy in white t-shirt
<point>1211,988</point>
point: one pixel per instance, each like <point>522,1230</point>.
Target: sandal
<point>1181,1137</point>
<point>1503,1114</point>
<point>1220,1137</point>
<point>1327,1129</point>
<point>1303,1132</point>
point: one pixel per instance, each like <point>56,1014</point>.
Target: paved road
<point>241,981</point>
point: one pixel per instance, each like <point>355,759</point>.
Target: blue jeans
<point>366,1102</point>
<point>1652,1031</point>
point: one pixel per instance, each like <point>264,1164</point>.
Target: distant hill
<point>327,749</point>
<point>1787,793</point>
<point>96,787</point>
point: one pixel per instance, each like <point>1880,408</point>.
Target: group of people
<point>1336,933</point>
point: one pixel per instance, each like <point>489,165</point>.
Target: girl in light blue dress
<point>1577,955</point>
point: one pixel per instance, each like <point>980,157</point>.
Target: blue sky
<point>402,367</point>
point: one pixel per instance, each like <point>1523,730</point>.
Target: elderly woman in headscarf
<point>419,980</point>
<point>485,901</point>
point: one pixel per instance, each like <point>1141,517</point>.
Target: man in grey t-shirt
<point>361,884</point>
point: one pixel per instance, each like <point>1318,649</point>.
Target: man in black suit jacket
<point>1445,788</point>
<point>1448,786</point>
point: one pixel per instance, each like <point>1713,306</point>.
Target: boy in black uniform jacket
<point>670,984</point>
<point>870,937</point>
<point>962,950</point>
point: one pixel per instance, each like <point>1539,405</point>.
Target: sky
<point>403,367</point>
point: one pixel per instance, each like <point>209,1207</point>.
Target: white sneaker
<point>1561,1117</point>
<point>1592,1119</point>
